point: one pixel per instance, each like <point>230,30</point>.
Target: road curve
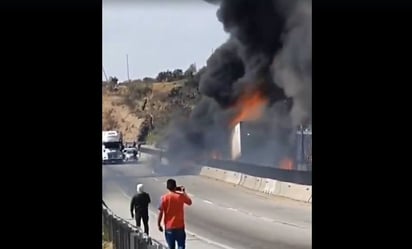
<point>223,215</point>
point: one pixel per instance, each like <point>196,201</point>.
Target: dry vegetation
<point>136,107</point>
<point>107,245</point>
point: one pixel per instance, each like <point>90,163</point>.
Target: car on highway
<point>131,154</point>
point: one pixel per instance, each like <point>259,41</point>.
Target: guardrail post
<point>120,227</point>
<point>122,234</point>
<point>109,219</point>
<point>126,235</point>
<point>136,241</point>
<point>116,234</point>
<point>132,245</point>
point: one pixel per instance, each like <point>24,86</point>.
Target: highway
<point>222,215</point>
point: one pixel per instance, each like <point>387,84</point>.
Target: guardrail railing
<point>123,234</point>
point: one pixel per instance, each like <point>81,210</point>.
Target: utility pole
<point>127,63</point>
<point>104,72</point>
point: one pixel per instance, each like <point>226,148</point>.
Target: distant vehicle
<point>112,146</point>
<point>131,154</point>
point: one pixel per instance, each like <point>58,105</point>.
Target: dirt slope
<point>126,107</point>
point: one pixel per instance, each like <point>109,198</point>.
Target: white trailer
<point>112,146</point>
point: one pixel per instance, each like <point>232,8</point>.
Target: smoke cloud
<point>269,50</point>
<point>292,65</point>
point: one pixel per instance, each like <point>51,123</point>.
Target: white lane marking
<point>155,179</point>
<point>211,242</point>
<point>232,209</point>
<point>123,193</point>
<point>254,215</point>
<point>266,219</point>
<point>187,231</point>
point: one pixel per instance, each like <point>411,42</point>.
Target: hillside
<point>117,116</point>
<point>145,109</point>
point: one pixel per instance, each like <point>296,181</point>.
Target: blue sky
<point>158,36</point>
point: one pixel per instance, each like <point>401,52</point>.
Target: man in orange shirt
<point>172,209</point>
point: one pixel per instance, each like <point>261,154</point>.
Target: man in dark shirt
<point>140,206</point>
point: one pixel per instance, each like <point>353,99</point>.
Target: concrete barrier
<point>206,171</point>
<point>227,176</point>
<point>232,177</point>
<point>275,187</point>
<point>295,191</point>
<point>250,182</point>
<point>264,185</point>
<point>270,186</point>
<point>259,183</point>
<point>214,173</point>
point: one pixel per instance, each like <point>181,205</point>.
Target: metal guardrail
<point>124,235</point>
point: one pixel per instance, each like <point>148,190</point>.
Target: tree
<point>148,80</point>
<point>195,79</point>
<point>190,71</point>
<point>161,76</point>
<point>177,74</point>
<point>168,76</point>
<point>113,80</point>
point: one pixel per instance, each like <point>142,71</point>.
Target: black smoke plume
<point>269,49</point>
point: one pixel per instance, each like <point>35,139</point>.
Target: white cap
<point>139,188</point>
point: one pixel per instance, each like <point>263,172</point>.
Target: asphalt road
<point>222,215</point>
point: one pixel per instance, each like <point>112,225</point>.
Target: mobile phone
<point>179,188</point>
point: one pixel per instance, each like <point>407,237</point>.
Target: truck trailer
<point>112,147</point>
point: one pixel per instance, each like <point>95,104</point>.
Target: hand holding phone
<point>181,188</point>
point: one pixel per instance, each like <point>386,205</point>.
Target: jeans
<point>176,235</point>
<point>145,218</point>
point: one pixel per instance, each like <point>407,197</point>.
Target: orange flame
<point>250,107</point>
<point>286,164</point>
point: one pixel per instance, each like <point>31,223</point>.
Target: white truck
<point>112,146</point>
